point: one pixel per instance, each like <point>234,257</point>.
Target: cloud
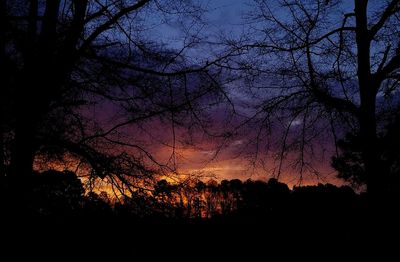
<point>237,142</point>
<point>296,122</point>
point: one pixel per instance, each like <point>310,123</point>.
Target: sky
<point>220,16</point>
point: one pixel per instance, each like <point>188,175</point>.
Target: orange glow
<point>188,162</point>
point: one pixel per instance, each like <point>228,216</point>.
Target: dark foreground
<point>264,220</point>
<point>252,236</point>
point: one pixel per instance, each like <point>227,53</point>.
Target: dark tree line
<point>61,195</point>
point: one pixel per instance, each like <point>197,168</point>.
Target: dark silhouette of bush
<point>97,206</point>
<point>258,194</point>
<point>323,199</point>
<point>56,193</point>
<point>351,168</point>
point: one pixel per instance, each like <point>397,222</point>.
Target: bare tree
<point>322,66</point>
<point>67,59</point>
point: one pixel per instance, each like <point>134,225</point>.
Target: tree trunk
<point>370,151</point>
<point>21,166</point>
<point>368,90</point>
<point>35,85</point>
<point>2,163</point>
<point>4,82</point>
<point>23,149</point>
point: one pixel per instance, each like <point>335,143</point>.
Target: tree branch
<point>391,66</point>
<point>389,11</point>
<point>105,26</point>
<point>312,42</point>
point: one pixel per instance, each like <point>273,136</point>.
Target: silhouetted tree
<point>236,188</point>
<point>226,201</point>
<point>65,60</point>
<point>55,193</point>
<point>198,203</point>
<point>277,194</point>
<point>211,198</point>
<point>96,205</point>
<point>163,191</point>
<point>323,65</point>
<point>254,194</point>
<point>324,199</point>
<point>350,164</point>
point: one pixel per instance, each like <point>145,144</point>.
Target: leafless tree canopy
<point>321,67</point>
<point>87,82</point>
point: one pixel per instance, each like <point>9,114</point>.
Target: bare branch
<point>392,8</point>
<point>110,22</point>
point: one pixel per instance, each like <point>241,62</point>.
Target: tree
<point>350,166</point>
<point>62,60</point>
<point>56,193</point>
<point>2,67</point>
<point>324,65</point>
